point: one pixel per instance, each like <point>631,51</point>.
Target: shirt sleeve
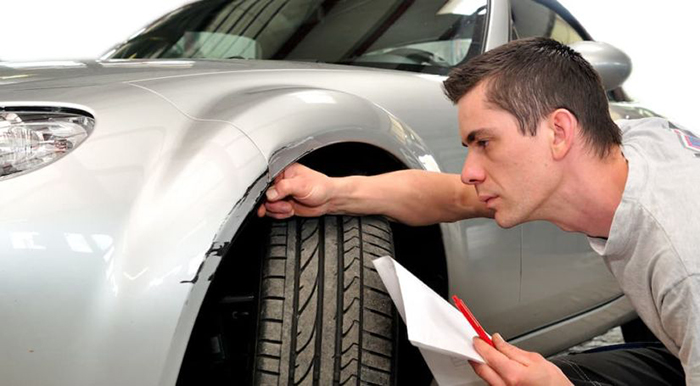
<point>680,317</point>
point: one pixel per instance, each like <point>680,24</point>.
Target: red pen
<point>472,320</point>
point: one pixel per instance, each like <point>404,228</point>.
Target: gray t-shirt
<point>654,244</point>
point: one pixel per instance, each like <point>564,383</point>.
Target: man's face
<point>512,173</point>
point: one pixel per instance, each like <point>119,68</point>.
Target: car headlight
<point>32,139</point>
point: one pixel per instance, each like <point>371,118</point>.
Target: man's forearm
<point>413,197</point>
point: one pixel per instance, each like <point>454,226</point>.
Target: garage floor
<point>613,336</point>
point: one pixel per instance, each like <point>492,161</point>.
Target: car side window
<point>532,19</point>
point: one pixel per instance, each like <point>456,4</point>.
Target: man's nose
<point>472,172</point>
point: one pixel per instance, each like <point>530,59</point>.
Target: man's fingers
<point>273,194</point>
<point>487,374</point>
<point>280,216</point>
<point>500,363</point>
<point>279,207</point>
<point>512,352</point>
<point>299,191</point>
<point>288,187</point>
<point>279,210</point>
<point>281,187</point>
<point>508,365</point>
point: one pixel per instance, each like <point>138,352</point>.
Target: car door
<point>561,275</point>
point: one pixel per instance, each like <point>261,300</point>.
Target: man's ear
<point>564,126</point>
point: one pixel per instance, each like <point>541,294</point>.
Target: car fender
<point>288,123</point>
<point>107,252</point>
<point>285,122</point>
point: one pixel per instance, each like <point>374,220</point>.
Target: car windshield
<point>415,35</point>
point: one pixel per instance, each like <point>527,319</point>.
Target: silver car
<point>130,250</point>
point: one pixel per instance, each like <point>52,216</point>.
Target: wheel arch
<point>412,244</point>
<point>337,133</point>
<point>290,123</point>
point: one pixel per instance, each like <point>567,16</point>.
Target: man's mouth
<point>487,199</point>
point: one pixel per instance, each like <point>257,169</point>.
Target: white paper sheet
<point>442,334</point>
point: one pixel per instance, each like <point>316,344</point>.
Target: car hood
<point>62,74</point>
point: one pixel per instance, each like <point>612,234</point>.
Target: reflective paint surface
<point>106,254</point>
<point>96,246</point>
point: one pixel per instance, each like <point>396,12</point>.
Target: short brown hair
<point>530,78</point>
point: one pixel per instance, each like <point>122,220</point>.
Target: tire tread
<point>325,316</point>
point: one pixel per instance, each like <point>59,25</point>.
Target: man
<point>542,146</point>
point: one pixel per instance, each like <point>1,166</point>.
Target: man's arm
<point>680,318</point>
<point>413,197</point>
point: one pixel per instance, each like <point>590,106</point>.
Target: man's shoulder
<point>660,139</point>
<point>641,124</point>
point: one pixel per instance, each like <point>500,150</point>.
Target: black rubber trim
<point>46,109</point>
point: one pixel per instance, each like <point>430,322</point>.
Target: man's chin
<point>505,221</point>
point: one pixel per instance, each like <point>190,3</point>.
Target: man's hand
<point>300,191</point>
<point>509,365</point>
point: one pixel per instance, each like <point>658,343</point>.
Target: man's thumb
<point>271,194</point>
<point>287,187</point>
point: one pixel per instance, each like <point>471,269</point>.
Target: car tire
<point>325,316</point>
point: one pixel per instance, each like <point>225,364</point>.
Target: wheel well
<point>222,341</point>
<point>420,249</point>
<point>345,159</point>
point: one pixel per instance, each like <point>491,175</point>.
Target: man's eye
<point>482,143</point>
